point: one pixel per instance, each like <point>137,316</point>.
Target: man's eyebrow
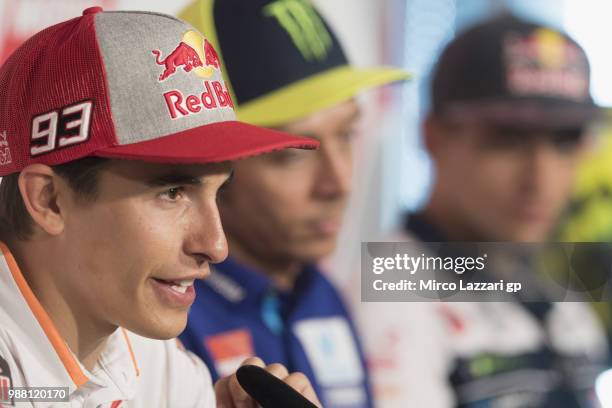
<point>167,179</point>
<point>348,121</point>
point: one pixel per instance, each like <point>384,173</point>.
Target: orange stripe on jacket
<point>56,340</point>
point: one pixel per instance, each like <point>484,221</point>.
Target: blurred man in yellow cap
<point>287,70</point>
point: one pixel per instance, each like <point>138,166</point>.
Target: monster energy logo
<point>304,26</point>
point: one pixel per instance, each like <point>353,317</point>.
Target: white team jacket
<point>133,371</point>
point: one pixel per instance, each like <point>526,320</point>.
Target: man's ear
<point>40,188</point>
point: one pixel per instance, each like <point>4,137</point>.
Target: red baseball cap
<point>125,85</point>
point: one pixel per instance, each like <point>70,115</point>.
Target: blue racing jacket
<point>238,313</point>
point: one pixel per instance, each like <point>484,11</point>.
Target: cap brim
<point>527,113</point>
<point>217,142</point>
<point>315,93</point>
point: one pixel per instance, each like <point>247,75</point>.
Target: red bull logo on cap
<point>195,55</point>
<point>182,56</point>
<point>212,59</point>
<point>545,63</point>
<point>214,95</point>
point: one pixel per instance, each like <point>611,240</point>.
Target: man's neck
<point>283,272</point>
<point>444,220</point>
<point>83,334</point>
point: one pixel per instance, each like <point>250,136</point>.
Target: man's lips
<point>532,213</point>
<point>175,294</point>
<point>201,274</point>
<point>329,226</point>
<point>178,289</point>
<point>177,285</point>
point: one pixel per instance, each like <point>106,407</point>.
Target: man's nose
<point>206,241</point>
<point>541,158</point>
<point>334,174</point>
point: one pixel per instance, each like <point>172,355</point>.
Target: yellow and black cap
<point>282,61</point>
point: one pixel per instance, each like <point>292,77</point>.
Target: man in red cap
<point>108,212</point>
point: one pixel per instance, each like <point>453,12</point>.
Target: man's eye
<point>286,156</point>
<point>348,135</point>
<point>567,140</point>
<point>172,194</point>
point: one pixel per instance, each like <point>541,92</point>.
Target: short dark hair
<point>15,221</point>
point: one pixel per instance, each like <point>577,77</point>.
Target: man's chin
<point>525,234</point>
<point>165,329</point>
<point>319,251</point>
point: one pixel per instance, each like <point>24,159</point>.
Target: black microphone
<point>269,391</point>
